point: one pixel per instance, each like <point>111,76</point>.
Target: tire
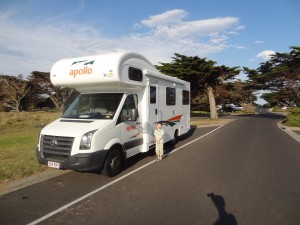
<point>176,138</point>
<point>113,163</point>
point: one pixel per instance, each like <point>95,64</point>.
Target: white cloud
<point>166,18</point>
<point>265,55</point>
<point>258,42</point>
<point>27,46</point>
<point>171,25</point>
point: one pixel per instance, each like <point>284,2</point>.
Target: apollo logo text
<point>83,71</point>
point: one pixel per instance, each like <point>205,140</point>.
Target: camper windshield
<point>94,106</point>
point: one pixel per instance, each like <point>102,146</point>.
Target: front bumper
<point>79,162</point>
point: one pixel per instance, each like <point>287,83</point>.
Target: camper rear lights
<point>86,140</point>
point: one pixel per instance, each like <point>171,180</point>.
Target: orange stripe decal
<point>175,118</point>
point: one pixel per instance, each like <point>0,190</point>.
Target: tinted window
<point>152,95</point>
<point>185,97</point>
<point>170,96</point>
<point>135,74</point>
<point>130,104</point>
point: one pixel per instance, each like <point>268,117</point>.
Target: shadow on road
<point>224,217</point>
<point>168,147</point>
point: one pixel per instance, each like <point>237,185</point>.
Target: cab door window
<point>130,109</point>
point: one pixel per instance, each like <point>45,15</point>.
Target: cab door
<point>130,130</point>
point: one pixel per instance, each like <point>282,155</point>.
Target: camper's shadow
<point>189,134</point>
<point>169,146</point>
<point>150,155</point>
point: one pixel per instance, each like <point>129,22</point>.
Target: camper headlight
<point>86,140</point>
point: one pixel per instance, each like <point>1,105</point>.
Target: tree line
<point>279,77</point>
<point>19,94</point>
<point>210,84</point>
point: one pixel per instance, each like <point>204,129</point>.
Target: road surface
<point>246,172</point>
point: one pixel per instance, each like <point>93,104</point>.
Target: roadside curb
<point>11,186</point>
<point>290,131</point>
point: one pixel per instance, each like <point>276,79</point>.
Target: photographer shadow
<point>224,217</point>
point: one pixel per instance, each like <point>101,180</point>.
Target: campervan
<point>122,97</point>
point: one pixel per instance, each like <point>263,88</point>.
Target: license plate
<point>53,164</point>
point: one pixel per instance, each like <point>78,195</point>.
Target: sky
<point>34,34</point>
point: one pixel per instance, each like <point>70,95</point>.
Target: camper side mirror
<point>134,114</point>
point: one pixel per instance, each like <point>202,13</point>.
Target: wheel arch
<point>115,143</point>
<point>175,136</point>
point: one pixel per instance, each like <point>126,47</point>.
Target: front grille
<point>56,148</point>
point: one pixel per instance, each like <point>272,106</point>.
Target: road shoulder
<point>15,185</point>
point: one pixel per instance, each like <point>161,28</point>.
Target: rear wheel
<point>113,163</point>
<point>175,139</point>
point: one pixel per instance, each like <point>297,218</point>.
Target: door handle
<point>155,111</point>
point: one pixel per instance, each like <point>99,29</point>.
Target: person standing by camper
<point>159,138</point>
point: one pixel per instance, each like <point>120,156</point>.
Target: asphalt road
<point>246,172</point>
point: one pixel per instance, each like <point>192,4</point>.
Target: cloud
<point>265,55</point>
<point>167,18</point>
<point>258,42</point>
<point>36,45</point>
<point>171,25</point>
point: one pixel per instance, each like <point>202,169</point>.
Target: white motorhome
<point>122,96</point>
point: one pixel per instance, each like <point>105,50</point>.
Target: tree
<point>280,75</point>
<point>236,92</point>
<point>41,85</point>
<point>202,74</point>
<point>13,92</point>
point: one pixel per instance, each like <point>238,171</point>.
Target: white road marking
<point>195,139</point>
<point>113,182</point>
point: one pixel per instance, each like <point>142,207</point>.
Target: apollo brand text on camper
<point>83,71</point>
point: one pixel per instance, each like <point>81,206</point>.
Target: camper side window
<point>152,95</point>
<point>135,74</point>
<point>185,97</point>
<point>170,96</point>
<point>130,109</point>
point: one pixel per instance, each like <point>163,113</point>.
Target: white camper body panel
<point>135,85</point>
<point>102,72</point>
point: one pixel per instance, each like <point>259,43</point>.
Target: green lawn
<point>18,140</point>
<point>17,155</point>
<point>292,119</point>
<point>293,116</point>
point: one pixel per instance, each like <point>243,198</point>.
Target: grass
<point>18,139</point>
<point>208,121</point>
<point>293,118</point>
<point>197,113</point>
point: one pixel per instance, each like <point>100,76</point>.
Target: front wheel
<point>113,163</point>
